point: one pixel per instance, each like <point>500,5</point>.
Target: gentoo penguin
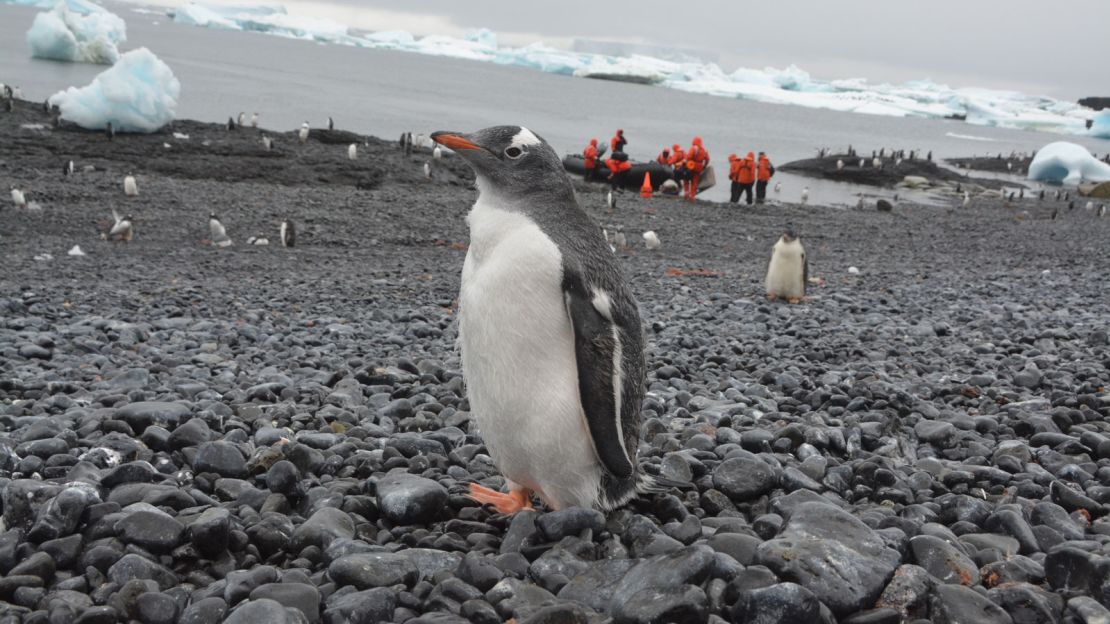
<point>109,131</point>
<point>219,234</point>
<point>1056,195</point>
<point>861,161</point>
<point>130,187</point>
<point>552,347</point>
<point>230,123</point>
<point>618,239</point>
<point>242,119</point>
<point>331,124</point>
<point>258,240</point>
<point>254,120</point>
<point>611,200</point>
<point>959,188</point>
<point>805,195</point>
<point>839,165</point>
<point>882,152</point>
<point>18,198</point>
<point>437,153</point>
<point>68,168</point>
<point>778,187</point>
<point>876,163</point>
<point>860,203</point>
<point>352,151</point>
<point>1040,196</point>
<point>1067,195</point>
<point>1055,212</point>
<point>788,270</point>
<point>651,240</point>
<point>267,143</point>
<point>1009,166</point>
<point>1090,205</point>
<point>929,156</point>
<point>122,229</point>
<point>302,134</point>
<point>1071,205</point>
<point>967,199</point>
<point>288,233</point>
<point>1101,210</point>
<point>428,170</point>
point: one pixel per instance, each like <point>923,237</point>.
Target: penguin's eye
<point>514,152</point>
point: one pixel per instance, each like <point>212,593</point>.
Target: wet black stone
<point>956,604</point>
<point>366,570</point>
<point>156,608</point>
<point>783,602</point>
<point>743,478</point>
<point>153,531</point>
<point>221,458</point>
<point>409,499</point>
<point>556,525</point>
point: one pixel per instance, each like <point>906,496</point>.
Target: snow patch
<point>1067,163</point>
<point>138,94</point>
<point>89,36</point>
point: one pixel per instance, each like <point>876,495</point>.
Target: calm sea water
<point>384,93</point>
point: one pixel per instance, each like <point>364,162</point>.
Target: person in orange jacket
<point>664,157</point>
<point>764,171</point>
<point>618,170</point>
<point>697,159</point>
<point>734,186</point>
<point>617,143</point>
<point>745,177</point>
<point>678,162</point>
<point>590,154</point>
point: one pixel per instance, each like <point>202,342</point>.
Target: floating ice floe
<point>1068,163</point>
<point>791,85</point>
<point>138,94</point>
<point>1101,126</point>
<point>88,36</point>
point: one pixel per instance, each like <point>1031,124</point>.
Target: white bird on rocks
<point>18,198</point>
<point>352,151</point>
<point>267,143</point>
<point>611,200</point>
<point>778,187</point>
<point>219,234</point>
<point>254,120</point>
<point>651,240</point>
<point>437,153</point>
<point>839,165</point>
<point>303,133</point>
<point>428,170</point>
<point>130,187</point>
<point>805,195</point>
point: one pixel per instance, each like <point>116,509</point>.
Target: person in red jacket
<point>764,171</point>
<point>618,170</point>
<point>678,162</point>
<point>590,154</point>
<point>697,159</point>
<point>734,186</point>
<point>664,157</point>
<point>745,176</point>
<point>617,143</point>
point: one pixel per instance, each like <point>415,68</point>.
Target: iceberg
<point>1101,126</point>
<point>1067,163</point>
<point>137,94</point>
<point>62,34</point>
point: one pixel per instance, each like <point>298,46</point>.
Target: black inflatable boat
<point>576,164</point>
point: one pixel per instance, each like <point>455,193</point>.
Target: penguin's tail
<point>655,484</point>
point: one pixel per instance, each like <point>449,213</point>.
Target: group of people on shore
<point>747,172</point>
<point>687,167</point>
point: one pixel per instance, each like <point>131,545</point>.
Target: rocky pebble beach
<point>258,434</point>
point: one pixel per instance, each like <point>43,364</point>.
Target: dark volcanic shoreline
<point>283,435</point>
<point>892,172</point>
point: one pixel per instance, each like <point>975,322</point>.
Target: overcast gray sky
<point>1058,48</point>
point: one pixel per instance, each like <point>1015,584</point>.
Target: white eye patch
<point>524,138</point>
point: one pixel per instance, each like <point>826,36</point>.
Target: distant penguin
<point>851,150</point>
<point>898,163</point>
<point>967,199</point>
<point>242,119</point>
<point>805,195</point>
<point>959,188</point>
<point>611,200</point>
<point>876,163</point>
<point>302,134</point>
<point>1040,196</point>
<point>230,123</point>
<point>437,153</point>
<point>258,240</point>
<point>352,151</point>
<point>882,152</point>
<point>860,204</point>
<point>288,233</point>
<point>1056,195</point>
<point>216,229</point>
<point>651,240</point>
<point>68,168</point>
<point>861,163</point>
<point>778,187</point>
<point>267,143</point>
<point>929,156</point>
<point>619,239</point>
<point>428,170</point>
<point>839,165</point>
<point>331,124</point>
<point>109,131</point>
<point>1067,195</point>
<point>1021,193</point>
<point>1071,205</point>
<point>18,198</point>
<point>130,187</point>
<point>1055,211</point>
<point>788,270</point>
<point>1090,205</point>
<point>1009,166</point>
<point>8,93</point>
<point>122,229</point>
<point>254,120</point>
<point>1101,210</point>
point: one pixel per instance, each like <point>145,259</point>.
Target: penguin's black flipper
<point>805,273</point>
<point>597,349</point>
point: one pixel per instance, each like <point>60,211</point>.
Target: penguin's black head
<point>212,215</point>
<point>789,234</point>
<point>508,160</point>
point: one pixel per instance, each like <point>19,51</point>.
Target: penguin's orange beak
<point>454,141</point>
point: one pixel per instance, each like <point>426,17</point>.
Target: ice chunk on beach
<point>1068,163</point>
<point>62,34</point>
<point>1101,126</point>
<point>137,94</point>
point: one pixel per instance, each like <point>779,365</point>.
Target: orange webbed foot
<point>771,296</point>
<point>517,500</point>
<point>794,300</point>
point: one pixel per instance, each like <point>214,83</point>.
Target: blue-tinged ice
<point>1101,126</point>
<point>137,94</point>
<point>1067,163</point>
<point>87,33</point>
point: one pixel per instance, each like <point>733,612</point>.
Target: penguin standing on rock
<point>331,124</point>
<point>68,168</point>
<point>130,187</point>
<point>352,151</point>
<point>557,399</point>
<point>254,120</point>
<point>109,131</point>
<point>122,229</point>
<point>18,198</point>
<point>288,233</point>
<point>219,234</point>
<point>267,143</point>
<point>302,134</point>
<point>788,270</point>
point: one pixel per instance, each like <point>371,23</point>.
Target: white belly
<point>785,273</point>
<point>518,359</point>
